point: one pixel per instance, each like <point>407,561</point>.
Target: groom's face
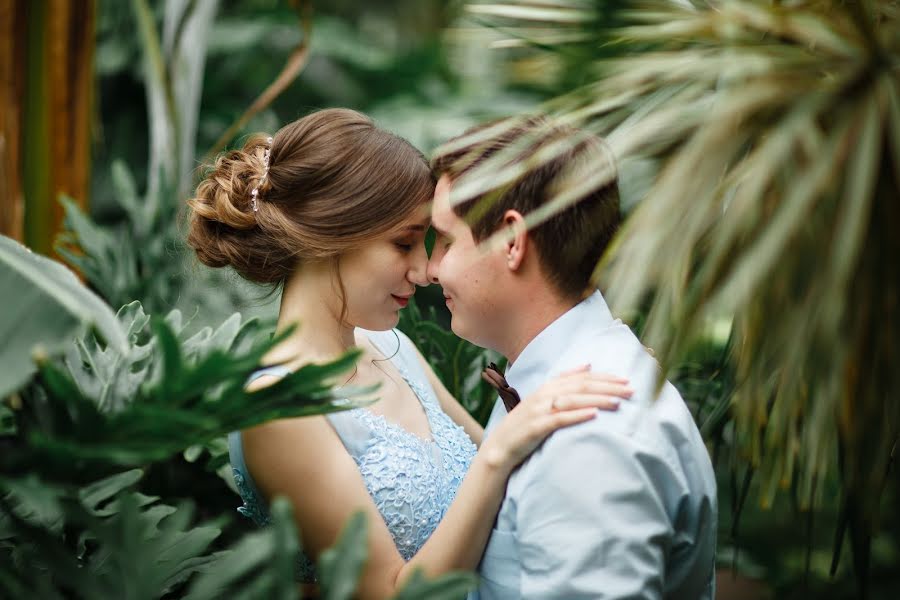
<point>470,274</point>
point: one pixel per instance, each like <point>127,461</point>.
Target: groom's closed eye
<point>443,237</point>
<point>442,244</point>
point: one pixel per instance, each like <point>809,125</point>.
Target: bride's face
<point>381,276</point>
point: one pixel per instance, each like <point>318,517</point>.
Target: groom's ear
<point>516,238</point>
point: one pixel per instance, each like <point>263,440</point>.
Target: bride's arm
<point>304,460</point>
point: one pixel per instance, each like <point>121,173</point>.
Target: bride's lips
<point>401,300</point>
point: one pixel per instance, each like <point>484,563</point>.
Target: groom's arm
<point>592,519</point>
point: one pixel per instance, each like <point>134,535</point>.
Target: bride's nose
<point>418,268</point>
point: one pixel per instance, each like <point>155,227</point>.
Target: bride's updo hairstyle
<point>334,182</point>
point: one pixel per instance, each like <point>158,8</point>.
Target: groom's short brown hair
<point>571,242</point>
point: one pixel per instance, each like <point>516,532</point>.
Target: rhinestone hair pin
<point>254,195</point>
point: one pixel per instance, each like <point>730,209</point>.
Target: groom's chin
<point>457,327</point>
<point>463,330</point>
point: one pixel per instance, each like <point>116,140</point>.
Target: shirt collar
<point>537,359</point>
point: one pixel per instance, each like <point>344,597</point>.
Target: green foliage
<point>141,257</point>
<point>261,565</point>
<point>341,565</point>
<point>104,540</point>
<point>45,307</point>
<point>71,522</point>
<point>160,396</point>
<point>119,262</point>
<point>449,587</point>
<point>775,128</point>
<point>98,541</point>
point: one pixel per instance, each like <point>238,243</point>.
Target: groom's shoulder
<point>612,349</point>
<point>652,422</point>
<point>647,439</point>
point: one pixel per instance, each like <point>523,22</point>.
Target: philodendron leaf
<point>109,376</point>
<point>104,257</point>
<point>32,501</point>
<point>46,309</point>
<point>451,586</point>
<point>100,491</point>
<point>189,402</point>
<point>341,565</point>
<point>261,565</point>
<point>232,336</point>
<point>151,548</point>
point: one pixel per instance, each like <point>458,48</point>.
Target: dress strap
<point>254,505</point>
<point>277,370</point>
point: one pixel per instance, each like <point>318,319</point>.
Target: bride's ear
<point>516,239</point>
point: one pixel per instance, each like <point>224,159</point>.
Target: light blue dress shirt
<point>622,506</point>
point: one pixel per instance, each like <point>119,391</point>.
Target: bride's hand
<point>570,398</point>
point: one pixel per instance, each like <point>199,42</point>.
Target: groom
<point>623,506</point>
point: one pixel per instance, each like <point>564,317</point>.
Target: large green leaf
<point>149,549</point>
<point>775,130</point>
<point>261,565</point>
<point>340,566</point>
<point>113,376</point>
<point>451,586</point>
<point>45,308</point>
<point>130,548</point>
<point>106,409</point>
<point>100,491</point>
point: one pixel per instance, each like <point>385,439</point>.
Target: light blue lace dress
<point>412,480</point>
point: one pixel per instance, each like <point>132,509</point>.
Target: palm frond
<point>777,130</point>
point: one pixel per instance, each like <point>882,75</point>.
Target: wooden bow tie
<point>509,394</point>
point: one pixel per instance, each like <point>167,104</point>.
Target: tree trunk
<point>53,49</point>
<point>12,93</point>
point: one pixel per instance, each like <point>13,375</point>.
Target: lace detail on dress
<point>413,480</point>
<point>251,508</point>
<point>255,510</point>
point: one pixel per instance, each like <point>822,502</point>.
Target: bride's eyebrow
<point>418,227</point>
<point>414,228</point>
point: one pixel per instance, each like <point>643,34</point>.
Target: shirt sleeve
<point>592,517</point>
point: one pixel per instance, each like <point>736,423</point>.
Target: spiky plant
<point>115,395</point>
<point>775,127</point>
